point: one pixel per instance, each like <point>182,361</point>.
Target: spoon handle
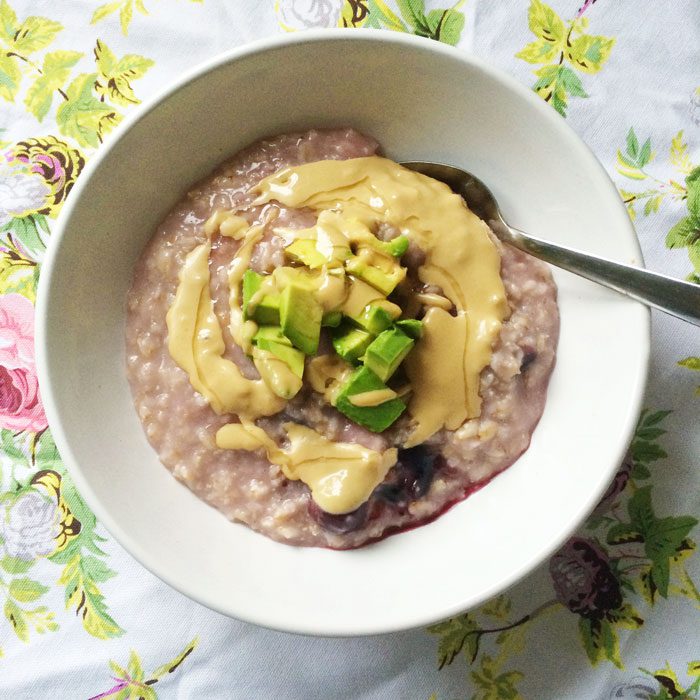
<point>675,297</point>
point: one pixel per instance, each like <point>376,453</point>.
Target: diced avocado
<point>300,318</point>
<point>350,343</point>
<point>332,246</point>
<point>290,356</point>
<point>271,334</point>
<point>276,373</point>
<point>304,250</point>
<point>396,246</point>
<point>412,327</point>
<point>359,295</point>
<point>386,352</point>
<point>299,276</point>
<point>332,319</point>
<point>251,283</point>
<point>385,282</point>
<point>373,319</point>
<point>267,311</point>
<point>374,418</point>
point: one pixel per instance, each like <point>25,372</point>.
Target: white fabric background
<point>648,83</point>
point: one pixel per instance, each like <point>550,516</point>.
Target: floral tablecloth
<point>614,614</point>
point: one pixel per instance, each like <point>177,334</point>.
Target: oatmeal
<point>330,348</point>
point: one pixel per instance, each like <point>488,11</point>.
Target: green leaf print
<point>29,232</point>
<point>498,608</point>
<point>88,106</point>
<point>540,51</point>
<point>599,637</point>
<point>661,537</point>
<point>115,75</point>
<point>126,12</point>
<point>18,276</point>
<point>175,662</point>
<point>443,25</point>
<point>679,154</point>
<point>54,73</point>
<point>134,667</point>
<point>382,17</point>
<point>645,448</point>
<point>84,569</point>
<point>692,183</point>
<point>125,8</point>
<point>8,21</point>
<point>17,618</point>
<point>692,363</point>
<point>599,641</point>
<point>623,533</point>
<point>134,682</point>
<point>493,685</point>
<point>34,34</point>
<point>546,24</point>
<point>18,41</point>
<point>562,48</point>
<point>632,165</point>
<point>83,594</point>
<point>40,619</point>
<point>26,590</point>
<point>455,634</point>
<point>14,565</point>
<point>571,82</point>
<point>83,117</point>
<point>10,77</point>
<point>588,53</point>
<point>91,101</point>
<point>670,685</point>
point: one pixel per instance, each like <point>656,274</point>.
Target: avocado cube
<point>383,281</point>
<point>332,319</point>
<point>251,283</point>
<point>412,327</point>
<point>267,311</point>
<point>386,352</point>
<point>299,276</point>
<point>276,374</point>
<point>300,318</point>
<point>271,334</point>
<point>350,343</point>
<point>374,319</point>
<point>305,251</point>
<point>396,246</point>
<point>292,357</point>
<point>374,418</point>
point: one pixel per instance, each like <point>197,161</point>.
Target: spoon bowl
<point>675,297</point>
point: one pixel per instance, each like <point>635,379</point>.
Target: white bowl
<point>422,100</point>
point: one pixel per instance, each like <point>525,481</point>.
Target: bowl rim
<point>324,628</point>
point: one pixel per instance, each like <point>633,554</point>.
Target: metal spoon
<point>675,297</point>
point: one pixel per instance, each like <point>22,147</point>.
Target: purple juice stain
<point>339,524</point>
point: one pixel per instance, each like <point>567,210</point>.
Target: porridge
<point>330,348</point>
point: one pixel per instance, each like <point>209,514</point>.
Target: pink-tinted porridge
<point>181,426</point>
